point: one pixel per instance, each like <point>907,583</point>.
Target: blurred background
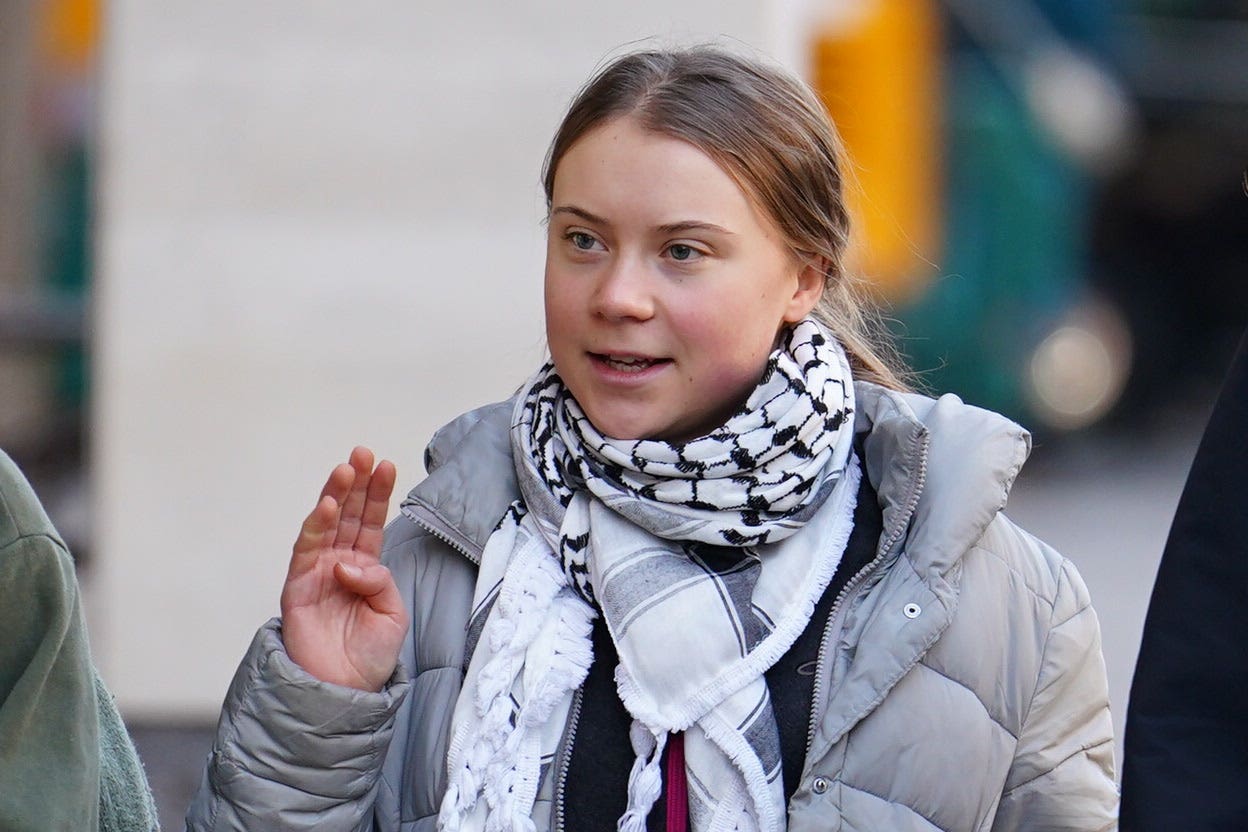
<point>237,239</point>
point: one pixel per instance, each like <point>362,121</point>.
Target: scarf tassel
<point>645,781</point>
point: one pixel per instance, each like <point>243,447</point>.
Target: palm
<point>343,620</point>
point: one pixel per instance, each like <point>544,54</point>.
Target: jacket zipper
<point>852,585</point>
<point>565,758</point>
<point>424,517</point>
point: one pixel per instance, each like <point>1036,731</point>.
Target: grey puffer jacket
<point>960,687</point>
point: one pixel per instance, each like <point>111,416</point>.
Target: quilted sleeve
<point>1062,777</point>
<point>293,752</point>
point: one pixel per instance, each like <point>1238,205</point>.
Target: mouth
<point>627,363</point>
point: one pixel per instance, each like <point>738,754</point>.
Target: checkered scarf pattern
<point>691,552</point>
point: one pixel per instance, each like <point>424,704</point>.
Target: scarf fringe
<point>502,762</point>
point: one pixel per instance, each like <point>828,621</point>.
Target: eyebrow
<point>666,228</point>
<point>693,225</point>
<point>582,213</point>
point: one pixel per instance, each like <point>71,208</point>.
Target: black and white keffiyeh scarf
<point>691,553</point>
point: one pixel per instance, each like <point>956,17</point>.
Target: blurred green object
<point>65,262</point>
<point>1014,247</point>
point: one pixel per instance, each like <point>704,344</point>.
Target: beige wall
<point>320,226</point>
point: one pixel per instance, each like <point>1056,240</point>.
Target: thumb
<point>373,583</point>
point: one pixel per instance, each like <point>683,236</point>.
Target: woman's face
<point>665,287</point>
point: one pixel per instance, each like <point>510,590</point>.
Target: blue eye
<point>682,252</point>
<point>581,240</point>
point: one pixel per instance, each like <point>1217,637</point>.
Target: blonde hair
<point>768,131</point>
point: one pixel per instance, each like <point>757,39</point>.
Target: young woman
<point>711,568</point>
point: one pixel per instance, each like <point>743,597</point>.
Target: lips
<point>627,363</point>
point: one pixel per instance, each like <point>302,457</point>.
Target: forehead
<point>622,167</point>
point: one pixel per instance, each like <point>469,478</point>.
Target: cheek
<point>733,350</point>
<point>557,304</point>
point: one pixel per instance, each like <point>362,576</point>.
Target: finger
<point>320,521</point>
<point>313,534</point>
<point>376,506</point>
<point>337,487</point>
<point>374,584</point>
<point>353,507</point>
<point>339,483</point>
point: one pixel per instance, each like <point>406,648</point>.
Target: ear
<point>807,290</point>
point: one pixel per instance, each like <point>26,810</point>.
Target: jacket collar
<point>471,479</point>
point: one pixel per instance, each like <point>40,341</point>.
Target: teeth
<point>628,365</point>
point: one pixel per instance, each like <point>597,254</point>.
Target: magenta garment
<point>677,785</point>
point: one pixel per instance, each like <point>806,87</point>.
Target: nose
<point>624,292</point>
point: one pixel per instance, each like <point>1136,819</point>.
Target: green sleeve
<point>49,734</point>
<point>66,761</point>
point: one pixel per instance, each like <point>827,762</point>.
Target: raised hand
<point>343,620</point>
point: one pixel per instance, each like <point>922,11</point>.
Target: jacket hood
<point>942,468</point>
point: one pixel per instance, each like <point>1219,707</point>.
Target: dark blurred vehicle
<point>1170,231</point>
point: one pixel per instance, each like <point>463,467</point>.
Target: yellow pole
<point>877,69</point>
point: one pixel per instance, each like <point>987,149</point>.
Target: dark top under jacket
<point>596,790</point>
